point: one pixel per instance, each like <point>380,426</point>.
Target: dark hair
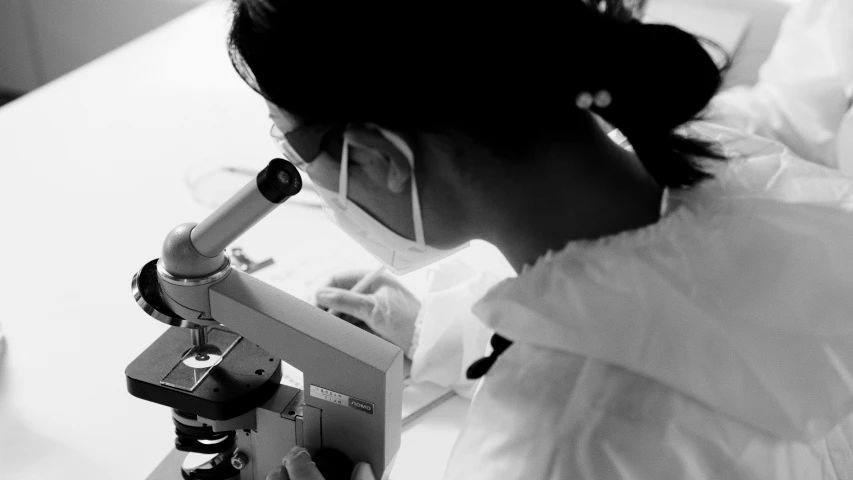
<point>501,77</point>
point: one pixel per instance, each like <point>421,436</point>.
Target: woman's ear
<point>384,163</point>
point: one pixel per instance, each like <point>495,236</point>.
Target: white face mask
<point>399,255</point>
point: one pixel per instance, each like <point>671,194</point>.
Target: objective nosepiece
<point>279,181</point>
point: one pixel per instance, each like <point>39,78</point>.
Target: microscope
<point>219,365</point>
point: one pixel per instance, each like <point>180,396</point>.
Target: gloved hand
<point>387,307</point>
<point>298,465</point>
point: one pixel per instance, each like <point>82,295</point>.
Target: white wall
<point>41,40</point>
<point>17,68</point>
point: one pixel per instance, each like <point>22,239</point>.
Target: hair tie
<point>603,99</point>
<point>586,100</point>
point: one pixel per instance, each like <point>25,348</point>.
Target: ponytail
<point>661,79</point>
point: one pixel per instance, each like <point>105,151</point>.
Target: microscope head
<point>193,255</point>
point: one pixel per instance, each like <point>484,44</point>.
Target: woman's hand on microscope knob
<point>298,465</point>
<point>387,307</point>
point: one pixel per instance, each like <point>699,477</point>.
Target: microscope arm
<point>352,378</point>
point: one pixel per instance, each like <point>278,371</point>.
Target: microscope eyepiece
<point>279,181</point>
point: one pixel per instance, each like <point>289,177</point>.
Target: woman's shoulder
<point>567,416</point>
<point>762,169</point>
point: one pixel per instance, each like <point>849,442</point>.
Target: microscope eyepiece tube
<point>274,184</point>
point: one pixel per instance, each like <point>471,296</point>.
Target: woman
<point>682,308</point>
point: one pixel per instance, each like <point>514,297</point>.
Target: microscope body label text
<point>341,399</point>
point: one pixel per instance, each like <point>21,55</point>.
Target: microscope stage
<point>245,377</point>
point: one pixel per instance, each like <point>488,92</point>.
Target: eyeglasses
<point>304,144</point>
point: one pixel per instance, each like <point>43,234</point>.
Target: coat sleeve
<point>448,337</point>
<point>805,88</point>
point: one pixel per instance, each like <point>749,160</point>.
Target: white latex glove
<point>297,465</point>
<point>386,307</point>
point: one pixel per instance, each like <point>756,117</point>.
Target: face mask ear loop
<point>343,180</point>
<point>416,211</point>
<point>401,145</point>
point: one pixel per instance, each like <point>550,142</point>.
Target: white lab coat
<point>717,343</point>
<point>804,93</point>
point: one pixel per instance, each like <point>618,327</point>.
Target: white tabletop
<point>93,170</point>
